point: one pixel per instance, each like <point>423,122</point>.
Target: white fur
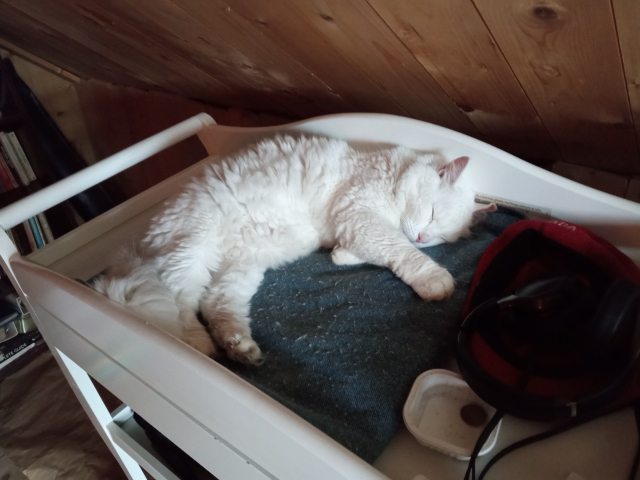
<point>278,201</point>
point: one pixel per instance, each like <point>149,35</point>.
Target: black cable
<point>491,425</point>
<point>636,461</point>
<point>543,436</point>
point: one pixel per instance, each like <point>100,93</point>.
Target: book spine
<point>20,241</point>
<point>4,174</point>
<point>7,171</point>
<point>11,356</point>
<point>30,237</point>
<point>37,235</point>
<point>9,351</point>
<point>46,229</point>
<point>12,158</point>
<point>13,174</point>
<point>22,244</point>
<point>40,230</point>
<point>22,157</point>
<point>12,177</point>
<point>10,235</point>
<point>22,338</point>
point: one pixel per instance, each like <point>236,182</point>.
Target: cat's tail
<point>134,283</point>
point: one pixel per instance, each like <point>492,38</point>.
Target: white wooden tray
<point>229,427</point>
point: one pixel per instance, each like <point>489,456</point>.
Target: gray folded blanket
<point>344,344</point>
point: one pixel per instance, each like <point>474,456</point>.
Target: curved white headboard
<point>492,172</point>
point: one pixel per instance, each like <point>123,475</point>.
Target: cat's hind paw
<point>202,342</point>
<point>340,256</point>
<point>436,285</point>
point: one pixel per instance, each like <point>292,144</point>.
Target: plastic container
<point>432,414</point>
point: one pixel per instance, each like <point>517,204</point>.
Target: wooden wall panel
<point>117,117</point>
<point>207,33</point>
<point>347,45</point>
<point>565,55</point>
<point>40,39</point>
<point>124,44</point>
<point>627,15</point>
<point>453,44</point>
<point>58,96</point>
<point>542,79</point>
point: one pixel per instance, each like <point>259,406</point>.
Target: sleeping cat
<point>280,200</point>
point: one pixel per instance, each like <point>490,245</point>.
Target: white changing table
<point>232,429</point>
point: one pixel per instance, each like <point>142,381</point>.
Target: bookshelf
<point>33,155</point>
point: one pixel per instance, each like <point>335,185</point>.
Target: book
<point>37,234</point>
<point>10,235</point>
<point>30,238</point>
<point>5,174</point>
<point>12,159</point>
<point>6,361</point>
<point>22,157</point>
<point>44,226</point>
<point>13,174</point>
<point>21,240</point>
<point>17,344</point>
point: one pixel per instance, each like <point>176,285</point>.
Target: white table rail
<point>66,188</point>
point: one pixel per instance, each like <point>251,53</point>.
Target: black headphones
<point>554,328</point>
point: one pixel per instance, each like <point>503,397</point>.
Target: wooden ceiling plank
<point>565,55</point>
<point>347,45</point>
<point>42,40</point>
<point>172,45</point>
<point>177,30</point>
<point>260,50</point>
<point>450,40</point>
<point>134,35</point>
<point>627,16</point>
<point>101,37</point>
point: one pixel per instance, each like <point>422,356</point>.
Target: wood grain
<point>566,57</point>
<point>117,117</point>
<point>59,98</point>
<point>627,15</point>
<point>542,79</point>
<point>449,38</point>
<point>123,43</point>
<point>40,39</point>
<point>348,46</point>
<point>603,181</point>
<point>265,75</point>
<point>50,67</point>
<point>178,34</point>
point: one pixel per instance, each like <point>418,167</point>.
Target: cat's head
<point>437,206</point>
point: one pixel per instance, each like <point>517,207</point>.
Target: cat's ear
<point>452,170</point>
<point>480,211</point>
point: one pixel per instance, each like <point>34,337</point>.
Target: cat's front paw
<point>340,256</point>
<point>435,285</point>
<point>244,350</point>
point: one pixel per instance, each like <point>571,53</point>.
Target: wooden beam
<point>40,39</point>
<point>50,67</point>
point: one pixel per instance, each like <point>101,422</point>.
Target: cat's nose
<point>423,237</point>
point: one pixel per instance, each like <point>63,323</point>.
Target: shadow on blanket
<point>344,344</point>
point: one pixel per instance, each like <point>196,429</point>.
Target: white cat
<point>280,200</point>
